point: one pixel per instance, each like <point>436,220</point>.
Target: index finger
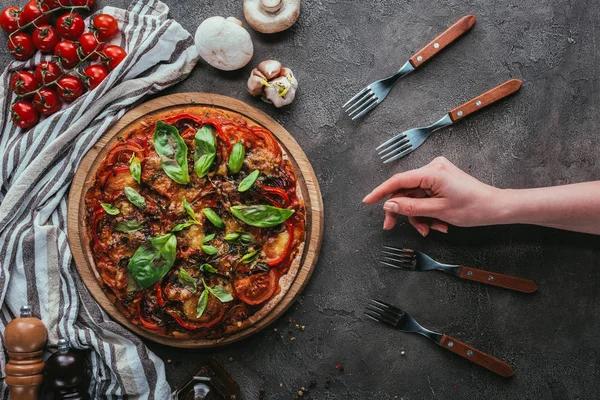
<point>404,180</point>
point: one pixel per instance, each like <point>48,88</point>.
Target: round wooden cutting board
<point>84,176</point>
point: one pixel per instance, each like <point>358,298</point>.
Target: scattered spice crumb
<point>275,330</point>
<point>302,328</point>
<point>230,358</point>
<point>281,385</point>
<point>297,325</point>
<point>261,393</point>
<point>300,393</point>
<point>402,353</point>
<point>292,338</point>
<point>169,361</point>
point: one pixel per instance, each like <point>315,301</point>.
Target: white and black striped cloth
<point>36,169</point>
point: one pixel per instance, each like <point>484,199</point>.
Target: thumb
<point>413,207</point>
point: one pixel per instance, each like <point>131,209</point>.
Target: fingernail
<point>391,206</point>
<point>443,228</point>
<point>422,231</point>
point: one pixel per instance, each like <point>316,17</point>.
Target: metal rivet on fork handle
<point>419,58</point>
<point>490,278</point>
<point>450,344</point>
<point>478,102</point>
<point>436,45</point>
<point>470,273</point>
<point>470,353</point>
<point>459,113</point>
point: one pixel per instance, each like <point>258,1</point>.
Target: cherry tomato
<point>66,51</point>
<point>9,19</point>
<point>47,72</point>
<point>31,12</point>
<point>20,46</point>
<point>257,288</point>
<point>45,38</point>
<point>70,26</point>
<point>70,88</point>
<point>46,101</point>
<point>24,114</point>
<point>24,82</point>
<point>89,43</point>
<point>95,75</point>
<point>114,55</point>
<point>106,26</point>
<point>89,3</point>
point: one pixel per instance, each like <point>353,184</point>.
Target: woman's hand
<point>436,195</point>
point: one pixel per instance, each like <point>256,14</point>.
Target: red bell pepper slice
<point>184,324</point>
<point>277,191</point>
<point>159,295</point>
<point>288,246</point>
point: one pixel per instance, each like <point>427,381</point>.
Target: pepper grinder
<point>25,338</point>
<point>65,371</point>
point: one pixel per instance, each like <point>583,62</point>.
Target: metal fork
<point>401,320</point>
<point>416,261</point>
<point>408,141</point>
<point>372,95</point>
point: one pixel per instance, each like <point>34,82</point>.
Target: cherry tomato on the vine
<point>66,51</point>
<point>70,26</point>
<point>114,55</point>
<point>45,38</point>
<point>89,3</point>
<point>24,114</point>
<point>20,46</point>
<point>23,82</point>
<point>9,19</point>
<point>31,12</point>
<point>89,43</point>
<point>95,75</point>
<point>47,72</point>
<point>52,4</point>
<point>69,88</point>
<point>106,26</point>
<point>46,101</point>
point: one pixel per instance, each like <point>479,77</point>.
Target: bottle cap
<point>63,345</point>
<point>25,311</point>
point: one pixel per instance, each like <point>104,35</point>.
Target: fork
<point>401,320</point>
<point>408,141</point>
<point>368,98</point>
<point>416,261</point>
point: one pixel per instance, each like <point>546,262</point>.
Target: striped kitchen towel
<point>36,169</point>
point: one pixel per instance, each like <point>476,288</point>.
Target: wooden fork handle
<point>478,357</point>
<point>442,41</point>
<point>489,97</point>
<point>495,279</point>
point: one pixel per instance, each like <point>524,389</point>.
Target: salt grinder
<point>66,372</point>
<point>25,338</point>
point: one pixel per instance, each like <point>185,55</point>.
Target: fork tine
<point>405,256</point>
<point>357,95</point>
<point>372,106</point>
<point>365,97</point>
<point>398,249</point>
<point>388,306</point>
<point>399,143</point>
<point>400,149</point>
<point>399,136</point>
<point>382,315</point>
<point>372,98</point>
<point>405,152</point>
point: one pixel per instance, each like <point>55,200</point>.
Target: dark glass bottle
<point>212,382</point>
<point>66,372</point>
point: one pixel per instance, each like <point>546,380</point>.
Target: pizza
<point>196,222</point>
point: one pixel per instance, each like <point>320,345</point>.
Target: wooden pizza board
<point>84,176</point>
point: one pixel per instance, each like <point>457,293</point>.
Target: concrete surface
<point>546,134</point>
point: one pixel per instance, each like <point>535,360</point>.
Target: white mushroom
<point>271,16</point>
<point>224,43</point>
<point>276,84</point>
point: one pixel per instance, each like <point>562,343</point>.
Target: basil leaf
<point>189,209</point>
<point>134,197</point>
<point>187,280</point>
<point>236,158</point>
<point>261,216</point>
<point>181,227</point>
<point>202,303</point>
<point>153,259</point>
<point>110,209</point>
<point>135,167</point>
<point>249,257</point>
<point>208,269</point>
<point>232,237</point>
<point>208,238</point>
<point>214,218</point>
<point>128,226</point>
<point>247,238</point>
<point>210,250</point>
<point>220,293</point>
<point>172,151</point>
<point>205,150</point>
<point>248,181</point>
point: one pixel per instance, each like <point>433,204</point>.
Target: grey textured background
<point>546,134</point>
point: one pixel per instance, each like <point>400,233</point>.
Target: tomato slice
<point>257,288</point>
<point>279,258</point>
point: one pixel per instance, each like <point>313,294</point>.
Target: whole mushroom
<point>271,16</point>
<point>224,43</point>
<point>277,84</point>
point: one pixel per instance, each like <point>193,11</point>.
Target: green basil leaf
<point>214,218</point>
<point>189,209</point>
<point>187,280</point>
<point>261,216</point>
<point>128,226</point>
<point>134,197</point>
<point>221,293</point>
<point>205,150</point>
<point>172,151</point>
<point>247,238</point>
<point>232,237</point>
<point>135,167</point>
<point>110,209</point>
<point>153,259</point>
<point>202,303</point>
<point>181,227</point>
<point>236,158</point>
<point>249,257</point>
<point>210,250</point>
<point>248,181</point>
<point>208,269</point>
<point>208,238</point>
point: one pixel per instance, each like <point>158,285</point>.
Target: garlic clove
<point>270,68</point>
